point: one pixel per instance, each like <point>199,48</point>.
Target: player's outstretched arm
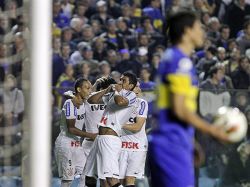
<point>135,127</point>
<point>97,97</point>
<point>73,130</point>
<point>184,114</point>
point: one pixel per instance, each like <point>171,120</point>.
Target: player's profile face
<point>197,34</point>
<point>86,89</point>
<point>124,82</point>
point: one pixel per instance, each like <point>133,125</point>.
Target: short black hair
<point>178,22</point>
<point>79,82</point>
<point>132,78</point>
<point>214,69</point>
<point>224,26</point>
<point>104,84</point>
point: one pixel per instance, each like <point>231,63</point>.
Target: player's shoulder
<point>140,100</point>
<point>175,61</point>
<point>68,103</point>
<point>126,93</point>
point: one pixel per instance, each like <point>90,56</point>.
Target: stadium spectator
<point>224,36</point>
<point>244,39</point>
<point>64,83</point>
<point>102,15</point>
<point>59,17</point>
<point>105,69</point>
<point>113,39</point>
<point>237,9</point>
<point>240,76</point>
<point>99,47</point>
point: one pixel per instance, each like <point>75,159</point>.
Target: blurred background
<point>100,38</point>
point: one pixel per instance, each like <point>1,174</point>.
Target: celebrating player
<point>134,143</point>
<point>67,146</point>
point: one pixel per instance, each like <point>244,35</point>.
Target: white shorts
<point>103,159</point>
<point>69,156</point>
<point>87,146</point>
<point>132,164</point>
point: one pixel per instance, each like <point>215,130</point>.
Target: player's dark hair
<point>104,84</point>
<point>177,24</point>
<point>79,82</point>
<point>132,78</point>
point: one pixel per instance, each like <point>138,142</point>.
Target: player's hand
<point>117,87</point>
<point>219,133</point>
<point>100,80</point>
<point>199,156</point>
<point>93,136</point>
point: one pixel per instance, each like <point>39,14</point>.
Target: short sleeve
<point>142,110</point>
<point>130,96</point>
<point>69,110</point>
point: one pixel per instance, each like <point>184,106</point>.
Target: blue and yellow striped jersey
<point>177,76</point>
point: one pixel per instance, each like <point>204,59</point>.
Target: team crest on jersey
<point>185,65</point>
<point>70,171</point>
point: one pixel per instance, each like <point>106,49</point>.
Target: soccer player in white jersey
<point>67,146</point>
<point>120,102</point>
<point>134,143</point>
<point>94,114</point>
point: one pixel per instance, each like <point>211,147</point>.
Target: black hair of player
<point>132,78</point>
<point>178,23</point>
<point>79,82</point>
<point>104,84</point>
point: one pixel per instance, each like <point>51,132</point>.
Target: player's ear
<point>78,89</point>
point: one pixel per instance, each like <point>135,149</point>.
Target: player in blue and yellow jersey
<point>171,143</point>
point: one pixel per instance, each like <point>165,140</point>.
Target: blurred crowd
<point>102,38</point>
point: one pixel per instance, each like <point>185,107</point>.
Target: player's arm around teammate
<point>132,161</point>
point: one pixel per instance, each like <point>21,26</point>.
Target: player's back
<point>177,76</point>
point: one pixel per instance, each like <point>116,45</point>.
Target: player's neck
<point>77,101</point>
<point>186,47</point>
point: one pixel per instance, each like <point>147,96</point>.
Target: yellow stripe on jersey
<point>178,84</point>
<point>163,96</point>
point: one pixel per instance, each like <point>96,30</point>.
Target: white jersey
<point>115,116</point>
<point>94,114</point>
<point>136,141</point>
<point>69,111</point>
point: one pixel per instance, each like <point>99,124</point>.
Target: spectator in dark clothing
<point>66,37</point>
<point>126,64</point>
<point>224,36</point>
<point>99,48</point>
<point>155,64</point>
<point>237,169</point>
<point>244,40</point>
<point>76,26</point>
<point>113,59</point>
<point>59,62</point>
<point>114,9</point>
<point>235,16</point>
<point>102,15</point>
<point>240,76</point>
<point>113,39</point>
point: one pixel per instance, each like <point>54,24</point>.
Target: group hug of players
<point>115,144</point>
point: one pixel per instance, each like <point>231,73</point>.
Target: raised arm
<point>97,97</point>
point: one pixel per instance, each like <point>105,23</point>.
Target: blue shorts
<point>171,159</point>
